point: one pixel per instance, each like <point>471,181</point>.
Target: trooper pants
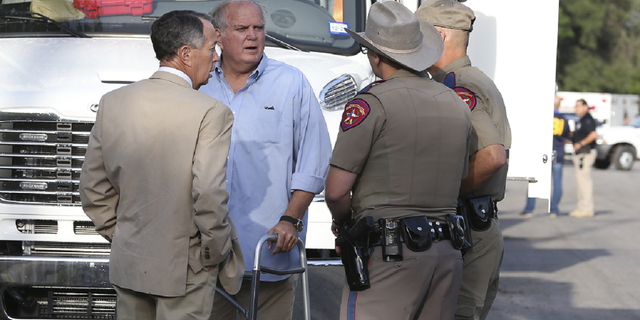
<point>481,273</point>
<point>423,286</point>
<point>275,301</point>
<point>196,304</point>
<point>584,183</point>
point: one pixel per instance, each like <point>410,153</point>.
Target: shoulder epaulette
<point>450,80</point>
<point>366,89</point>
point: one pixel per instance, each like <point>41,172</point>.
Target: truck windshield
<point>314,25</point>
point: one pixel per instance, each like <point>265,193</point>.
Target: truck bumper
<point>603,151</point>
<point>43,287</point>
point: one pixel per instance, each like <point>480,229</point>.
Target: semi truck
<point>58,57</point>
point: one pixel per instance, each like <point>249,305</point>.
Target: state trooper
<point>397,165</point>
<point>484,187</point>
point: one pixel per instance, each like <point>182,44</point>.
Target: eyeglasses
<point>364,49</point>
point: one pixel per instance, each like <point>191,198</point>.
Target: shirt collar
<point>404,73</point>
<point>177,73</point>
<point>262,66</point>
<point>454,65</point>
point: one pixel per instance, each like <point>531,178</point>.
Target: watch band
<point>297,223</point>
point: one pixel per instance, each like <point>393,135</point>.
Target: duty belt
<point>439,231</point>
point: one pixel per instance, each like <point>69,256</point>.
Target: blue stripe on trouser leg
<point>351,309</point>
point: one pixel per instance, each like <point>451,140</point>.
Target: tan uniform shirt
<point>488,114</point>
<point>408,140</point>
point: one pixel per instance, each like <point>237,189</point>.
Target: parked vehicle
<point>607,108</point>
<point>618,145</point>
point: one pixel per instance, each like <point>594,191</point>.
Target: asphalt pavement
<point>562,268</point>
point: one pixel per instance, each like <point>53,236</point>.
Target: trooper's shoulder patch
<point>450,80</point>
<point>354,113</point>
<point>467,96</point>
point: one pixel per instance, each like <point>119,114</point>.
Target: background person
<point>584,156</point>
<point>401,152</point>
<point>561,134</point>
<point>485,185</point>
<point>157,193</point>
<point>279,154</point>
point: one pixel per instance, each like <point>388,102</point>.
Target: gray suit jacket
<point>154,184</point>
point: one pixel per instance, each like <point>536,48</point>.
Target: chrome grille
<point>66,249</point>
<point>84,228</point>
<point>49,302</point>
<point>40,161</point>
<point>37,226</point>
<point>338,92</point>
<point>78,305</point>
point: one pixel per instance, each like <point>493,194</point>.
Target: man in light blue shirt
<point>279,154</point>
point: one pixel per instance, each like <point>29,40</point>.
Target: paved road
<point>564,268</point>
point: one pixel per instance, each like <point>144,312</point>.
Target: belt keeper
<point>436,231</point>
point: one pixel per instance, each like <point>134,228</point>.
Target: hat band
<point>397,51</point>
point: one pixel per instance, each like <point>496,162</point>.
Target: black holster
<point>480,211</point>
<point>461,210</point>
<point>355,251</point>
<point>460,235</point>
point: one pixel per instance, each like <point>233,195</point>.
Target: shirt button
<point>234,112</point>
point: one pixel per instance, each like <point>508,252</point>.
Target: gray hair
<point>460,37</point>
<point>219,13</point>
<point>176,29</point>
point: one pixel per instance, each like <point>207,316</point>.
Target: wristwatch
<point>297,223</point>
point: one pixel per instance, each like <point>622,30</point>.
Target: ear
<point>442,34</point>
<point>184,55</point>
<point>219,37</point>
<point>377,58</point>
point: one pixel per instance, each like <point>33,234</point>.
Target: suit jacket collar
<point>163,75</point>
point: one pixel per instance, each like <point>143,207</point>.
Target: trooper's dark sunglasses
<point>364,49</point>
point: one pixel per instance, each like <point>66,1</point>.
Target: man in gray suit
<point>154,183</point>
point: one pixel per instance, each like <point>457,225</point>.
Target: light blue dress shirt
<point>279,143</point>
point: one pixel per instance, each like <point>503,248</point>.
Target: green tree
<point>598,46</point>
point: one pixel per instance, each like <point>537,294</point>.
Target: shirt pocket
<point>267,126</point>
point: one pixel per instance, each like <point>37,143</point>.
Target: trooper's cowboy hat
<point>394,32</point>
<point>449,14</point>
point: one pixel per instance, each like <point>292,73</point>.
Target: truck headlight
<point>338,92</point>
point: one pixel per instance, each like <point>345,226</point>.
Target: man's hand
<point>335,228</point>
<point>287,237</point>
<point>576,147</point>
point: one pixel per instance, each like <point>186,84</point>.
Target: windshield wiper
<point>29,16</point>
<point>283,44</point>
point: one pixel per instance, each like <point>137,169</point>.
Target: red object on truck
<point>96,8</point>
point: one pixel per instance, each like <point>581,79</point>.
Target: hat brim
<point>428,54</point>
